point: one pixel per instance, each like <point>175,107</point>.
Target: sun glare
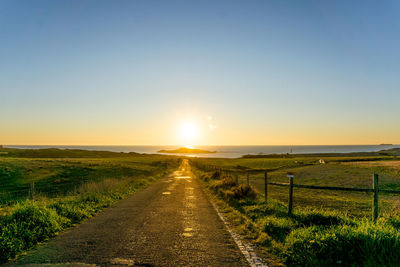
<point>188,132</point>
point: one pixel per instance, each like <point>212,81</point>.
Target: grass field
<point>293,160</point>
<point>69,187</point>
<point>327,227</point>
<point>60,176</point>
<point>332,228</point>
<point>342,172</point>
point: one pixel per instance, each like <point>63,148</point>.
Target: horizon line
<point>382,144</point>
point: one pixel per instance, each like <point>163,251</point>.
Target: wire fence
<point>11,194</point>
<point>281,184</point>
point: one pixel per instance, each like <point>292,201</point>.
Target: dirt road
<point>170,223</point>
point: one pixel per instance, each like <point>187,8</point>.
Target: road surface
<point>170,223</point>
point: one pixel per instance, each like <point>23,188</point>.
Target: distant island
<point>186,150</point>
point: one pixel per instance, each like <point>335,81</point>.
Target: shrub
<point>29,224</point>
<point>225,183</point>
<point>216,175</point>
<point>244,192</point>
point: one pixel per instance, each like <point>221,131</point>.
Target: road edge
<point>245,247</point>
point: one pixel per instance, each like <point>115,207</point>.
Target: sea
<point>228,151</point>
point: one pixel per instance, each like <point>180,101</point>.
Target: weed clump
<point>277,228</point>
<point>225,183</point>
<point>244,192</point>
<point>216,175</point>
<point>227,188</point>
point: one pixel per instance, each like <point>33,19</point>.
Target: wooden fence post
<point>33,190</point>
<point>375,187</point>
<point>290,206</point>
<point>248,178</point>
<point>266,186</point>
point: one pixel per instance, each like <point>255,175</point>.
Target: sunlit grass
<point>335,173</point>
<point>311,236</point>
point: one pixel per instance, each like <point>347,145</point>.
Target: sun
<point>189,132</point>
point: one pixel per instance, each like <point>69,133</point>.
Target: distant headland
<point>185,150</point>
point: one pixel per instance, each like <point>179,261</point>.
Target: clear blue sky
<point>268,72</point>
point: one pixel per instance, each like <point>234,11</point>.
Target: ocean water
<point>229,151</point>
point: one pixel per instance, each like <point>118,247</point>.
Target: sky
<point>199,72</point>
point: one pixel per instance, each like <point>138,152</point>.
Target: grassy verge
<point>68,192</point>
<point>311,237</point>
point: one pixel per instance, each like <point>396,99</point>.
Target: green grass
<point>68,191</point>
<point>327,228</point>
<point>355,174</point>
<point>54,176</point>
<point>361,244</point>
<point>335,174</point>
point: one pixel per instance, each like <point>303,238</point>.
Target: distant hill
<point>185,150</point>
<point>387,152</point>
<point>60,153</point>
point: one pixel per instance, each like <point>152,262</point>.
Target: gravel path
<point>170,223</point>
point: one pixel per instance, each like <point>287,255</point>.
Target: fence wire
<point>353,203</point>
